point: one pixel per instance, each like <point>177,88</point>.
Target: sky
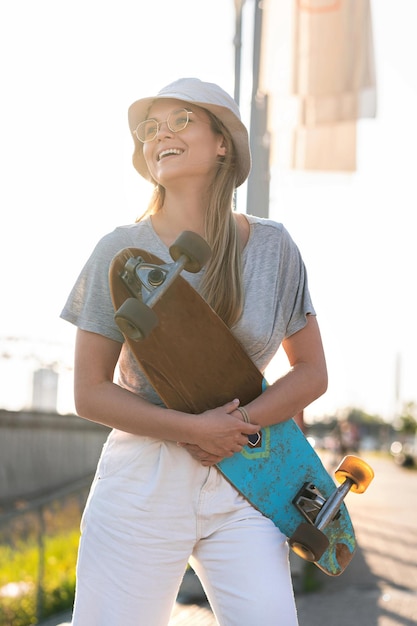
<point>71,69</point>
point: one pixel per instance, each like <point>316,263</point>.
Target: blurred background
<point>69,73</point>
<point>328,89</point>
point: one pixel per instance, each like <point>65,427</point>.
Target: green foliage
<point>357,416</point>
<point>408,425</point>
<point>37,564</point>
<point>20,567</point>
<point>310,582</point>
<point>59,576</point>
<point>407,422</point>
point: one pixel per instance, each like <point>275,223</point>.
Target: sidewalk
<point>379,588</point>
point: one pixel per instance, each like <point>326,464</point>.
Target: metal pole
<point>238,60</point>
<point>238,47</point>
<point>258,182</point>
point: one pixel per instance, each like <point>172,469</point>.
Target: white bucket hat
<point>207,96</point>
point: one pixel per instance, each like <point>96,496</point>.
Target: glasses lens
<point>178,120</point>
<point>146,131</point>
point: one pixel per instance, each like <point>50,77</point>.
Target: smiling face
<point>191,153</point>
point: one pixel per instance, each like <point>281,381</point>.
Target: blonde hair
<point>221,285</point>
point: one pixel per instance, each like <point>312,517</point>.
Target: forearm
<point>305,381</point>
<point>289,395</point>
<point>215,431</point>
<point>109,404</point>
<point>100,400</point>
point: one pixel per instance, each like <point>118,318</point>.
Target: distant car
<point>404,453</point>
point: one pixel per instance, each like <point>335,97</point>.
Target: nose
<point>163,129</point>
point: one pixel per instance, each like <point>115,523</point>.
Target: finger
<point>231,406</point>
<point>208,463</point>
<point>249,429</point>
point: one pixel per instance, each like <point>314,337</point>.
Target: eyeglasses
<point>177,120</point>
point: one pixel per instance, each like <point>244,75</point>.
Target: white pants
<point>151,509</point>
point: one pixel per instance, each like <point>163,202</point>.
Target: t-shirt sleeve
<point>89,305</point>
<point>277,297</point>
<point>294,295</point>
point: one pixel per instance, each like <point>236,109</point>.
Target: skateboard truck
<point>309,501</point>
<point>309,540</point>
<point>147,283</point>
<point>142,279</point>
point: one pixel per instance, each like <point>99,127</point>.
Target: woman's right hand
<point>220,433</point>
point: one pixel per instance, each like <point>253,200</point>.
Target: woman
<point>156,504</point>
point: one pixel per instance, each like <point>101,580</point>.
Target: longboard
<point>195,363</point>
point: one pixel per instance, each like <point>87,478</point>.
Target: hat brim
<point>139,110</point>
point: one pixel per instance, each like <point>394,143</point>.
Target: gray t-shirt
<point>277,298</point>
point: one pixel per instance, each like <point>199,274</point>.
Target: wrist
<point>244,414</point>
<point>254,440</point>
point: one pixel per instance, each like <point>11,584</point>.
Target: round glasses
<point>177,120</point>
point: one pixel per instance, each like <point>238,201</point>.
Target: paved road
<point>379,588</point>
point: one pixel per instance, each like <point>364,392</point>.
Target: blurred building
<point>45,390</point>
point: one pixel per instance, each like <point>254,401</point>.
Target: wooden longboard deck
<point>190,358</point>
<point>195,363</point>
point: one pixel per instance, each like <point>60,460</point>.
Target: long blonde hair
<point>221,285</point>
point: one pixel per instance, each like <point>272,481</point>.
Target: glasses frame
<point>159,124</point>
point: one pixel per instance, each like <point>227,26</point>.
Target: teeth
<point>170,151</point>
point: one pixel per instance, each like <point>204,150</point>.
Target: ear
<point>222,147</point>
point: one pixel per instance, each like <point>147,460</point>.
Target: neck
<point>182,211</point>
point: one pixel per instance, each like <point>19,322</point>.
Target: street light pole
<point>238,47</point>
<point>258,181</point>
